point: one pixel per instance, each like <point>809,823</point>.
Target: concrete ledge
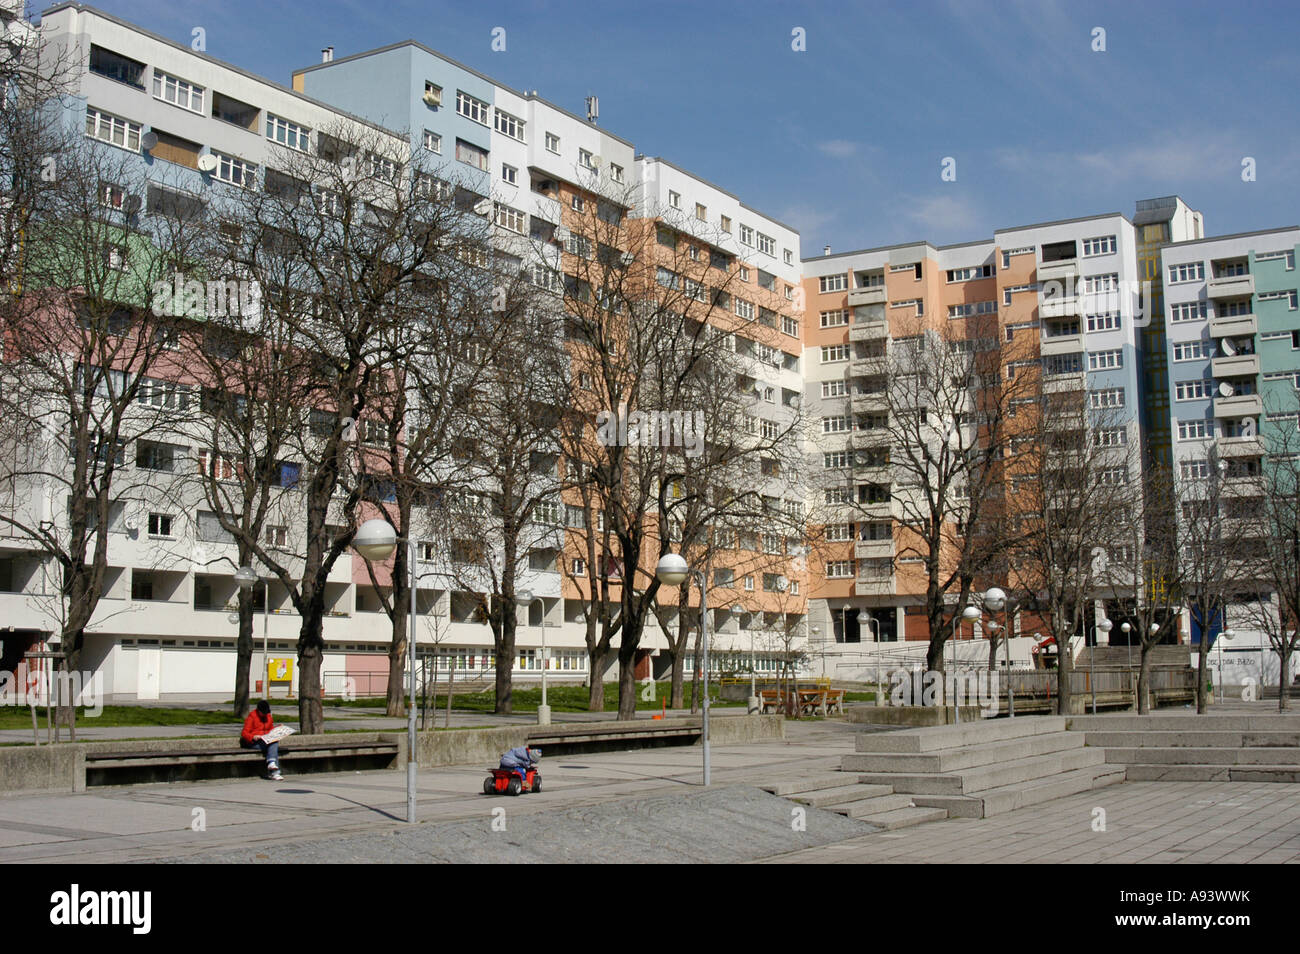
<point>932,738</point>
<point>908,715</point>
<point>31,770</point>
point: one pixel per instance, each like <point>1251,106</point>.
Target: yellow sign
<point>279,669</point>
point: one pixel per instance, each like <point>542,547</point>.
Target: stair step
<point>1202,756</point>
<point>1213,773</point>
<point>1188,722</point>
<point>972,780</point>
<point>1193,738</point>
<point>872,806</point>
<point>996,801</point>
<point>948,760</point>
<point>904,817</point>
<point>840,795</point>
<point>807,783</point>
<point>932,738</point>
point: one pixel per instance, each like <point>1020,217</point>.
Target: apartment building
<point>1066,290</point>
<point>195,125</point>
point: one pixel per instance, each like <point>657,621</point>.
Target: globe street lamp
<point>970,613</point>
<point>247,579</point>
<point>1104,625</point>
<point>376,540</point>
<point>671,571</point>
<point>525,599</point>
<point>995,599</point>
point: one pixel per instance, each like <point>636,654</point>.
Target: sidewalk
<point>150,822</point>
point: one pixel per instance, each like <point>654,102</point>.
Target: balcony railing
<point>1234,326</point>
<point>1058,271</point>
<point>873,295</point>
<point>1242,405</point>
<point>1239,365</point>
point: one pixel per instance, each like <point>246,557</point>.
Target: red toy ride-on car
<point>501,780</point>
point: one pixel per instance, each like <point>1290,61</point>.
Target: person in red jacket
<point>257,724</point>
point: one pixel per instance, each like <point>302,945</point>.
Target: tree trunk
<point>244,652</point>
<point>451,682</point>
<point>1202,672</point>
<point>1144,677</point>
<point>397,652</point>
<point>311,717</point>
<point>596,680</point>
<point>1283,686</point>
<point>678,691</point>
<point>505,658</point>
<point>626,679</point>
<point>1064,667</point>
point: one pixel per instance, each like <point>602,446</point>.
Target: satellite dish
<point>1225,389</point>
<point>207,163</point>
<point>149,140</point>
<point>1228,347</point>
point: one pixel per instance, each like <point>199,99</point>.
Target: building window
<point>1191,350</point>
<point>724,223</point>
<point>471,155</point>
<point>1109,397</point>
<point>471,108</point>
<point>579,567</point>
<point>553,143</point>
<point>1105,245</point>
<point>113,130</point>
<point>160,525</point>
<point>509,174</point>
<point>1187,272</point>
<point>287,133</point>
<point>674,199</point>
<point>116,67</point>
<point>969,274</point>
<point>512,219</point>
<point>616,172</point>
<point>234,171</point>
<point>1105,360</point>
<point>833,353</point>
<point>833,283</point>
<point>1192,390</point>
<point>432,141</point>
<point>1111,437</point>
<point>834,319</point>
<point>178,92</point>
<point>1189,311</point>
<point>586,159</point>
<point>1195,430</point>
<point>766,244</point>
<point>1110,321</point>
<point>511,126</point>
<point>746,236</point>
<point>789,326</point>
<point>839,569</point>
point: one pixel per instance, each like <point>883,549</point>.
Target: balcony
<point>875,402</point>
<point>1070,381</point>
<point>875,295</point>
<point>1234,447</point>
<point>1231,286</point>
<point>1058,306</point>
<point>873,549</point>
<point>871,366</point>
<point>1237,366</point>
<point>1058,271</point>
<point>875,586</point>
<point>1236,326</point>
<point>1062,344</point>
<point>1242,405</point>
<point>872,330</point>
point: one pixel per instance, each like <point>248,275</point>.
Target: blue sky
<point>844,141</point>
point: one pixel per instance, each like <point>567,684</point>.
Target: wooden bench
<point>130,763</point>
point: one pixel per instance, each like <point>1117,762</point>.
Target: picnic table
<point>804,701</point>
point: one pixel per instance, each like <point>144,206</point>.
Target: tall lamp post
<point>1227,636</point>
<point>970,613</point>
<point>1105,626</point>
<point>376,540</point>
<point>994,600</point>
<point>670,571</point>
<point>526,599</point>
<point>1125,628</point>
<point>247,579</point>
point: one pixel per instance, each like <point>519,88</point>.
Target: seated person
<point>257,724</point>
<point>519,760</point>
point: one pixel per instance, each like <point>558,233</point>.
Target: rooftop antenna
<point>593,109</point>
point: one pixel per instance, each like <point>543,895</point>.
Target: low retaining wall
<point>908,715</point>
<point>32,770</point>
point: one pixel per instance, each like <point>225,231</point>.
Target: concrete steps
<point>983,768</point>
<point>982,777</point>
<point>1192,748</point>
<point>847,793</point>
<point>995,801</point>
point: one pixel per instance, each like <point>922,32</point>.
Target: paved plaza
<point>632,806</point>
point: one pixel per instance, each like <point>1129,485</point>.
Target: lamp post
<point>1125,628</point>
<point>670,571</point>
<point>246,579</point>
<point>1226,635</point>
<point>376,540</point>
<point>526,599</point>
<point>971,613</point>
<point>1105,626</point>
<point>995,599</point>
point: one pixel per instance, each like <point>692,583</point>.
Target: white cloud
<point>948,216</point>
<point>838,148</point>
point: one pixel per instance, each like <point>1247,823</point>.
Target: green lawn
<point>20,717</point>
<point>559,698</point>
